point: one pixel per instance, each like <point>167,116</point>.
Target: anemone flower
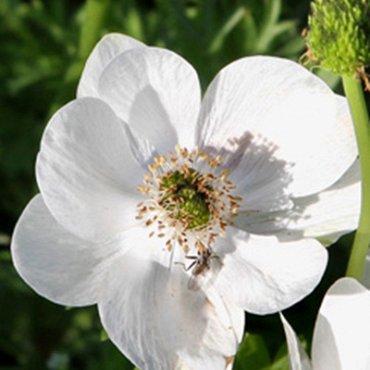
<point>341,339</point>
<point>174,215</point>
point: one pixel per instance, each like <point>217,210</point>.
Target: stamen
<point>187,201</point>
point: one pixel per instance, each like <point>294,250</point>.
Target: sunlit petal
<point>86,172</point>
<point>158,322</point>
<point>57,264</point>
<point>298,358</point>
<point>342,333</point>
<point>156,92</point>
<point>276,101</point>
<point>258,267</point>
<point>105,50</point>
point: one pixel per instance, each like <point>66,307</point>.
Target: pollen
<point>189,198</point>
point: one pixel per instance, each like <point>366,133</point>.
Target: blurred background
<point>43,47</point>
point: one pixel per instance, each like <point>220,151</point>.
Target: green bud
<point>338,38</point>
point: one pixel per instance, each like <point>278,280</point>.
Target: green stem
<point>354,93</point>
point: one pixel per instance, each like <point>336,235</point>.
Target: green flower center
<point>186,198</point>
<point>189,199</point>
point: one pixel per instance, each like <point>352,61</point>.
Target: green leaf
<point>103,335</point>
<point>281,364</point>
<point>93,20</point>
<point>281,360</point>
<point>252,354</point>
<point>228,26</point>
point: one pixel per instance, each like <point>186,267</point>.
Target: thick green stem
<point>354,93</point>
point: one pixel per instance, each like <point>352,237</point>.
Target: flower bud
<point>338,38</point>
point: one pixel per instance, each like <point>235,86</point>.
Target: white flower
<point>176,216</point>
<point>341,339</point>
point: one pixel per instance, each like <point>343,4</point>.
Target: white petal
<point>157,93</point>
<point>278,102</point>
<point>86,172</point>
<point>266,275</point>
<point>329,214</point>
<point>265,223</point>
<point>262,180</point>
<point>341,338</point>
<point>56,264</point>
<point>298,359</point>
<point>326,215</point>
<point>158,322</point>
<point>105,50</point>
